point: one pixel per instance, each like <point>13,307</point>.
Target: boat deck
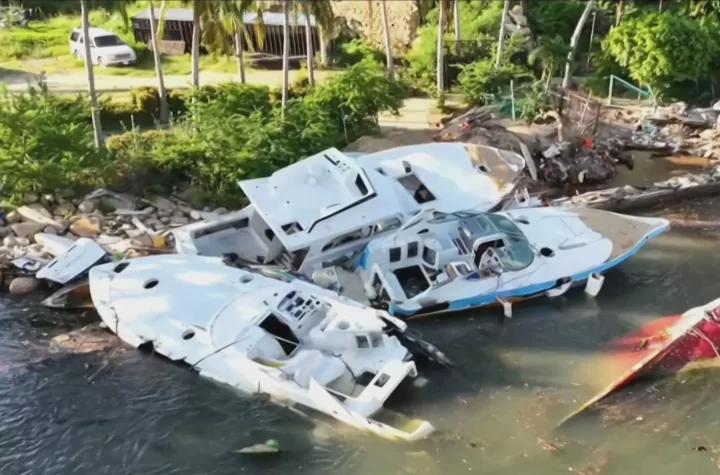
<point>624,232</point>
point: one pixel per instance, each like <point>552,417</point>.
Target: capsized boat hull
<point>628,234</point>
<point>210,316</point>
<point>664,345</point>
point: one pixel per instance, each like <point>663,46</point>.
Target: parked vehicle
<point>106,48</point>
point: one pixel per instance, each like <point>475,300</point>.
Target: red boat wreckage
<point>664,345</point>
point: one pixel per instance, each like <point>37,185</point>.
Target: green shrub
<point>235,132</point>
<point>47,145</point>
<point>355,51</point>
<point>481,82</point>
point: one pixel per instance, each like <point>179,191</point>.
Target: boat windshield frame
<point>518,253</point>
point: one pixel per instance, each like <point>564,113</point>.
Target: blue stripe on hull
<point>487,299</point>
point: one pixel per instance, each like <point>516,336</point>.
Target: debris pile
<point>627,197</point>
<point>121,225</point>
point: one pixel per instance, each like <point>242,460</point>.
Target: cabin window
<point>269,234</point>
<point>386,225</point>
<point>417,189</point>
<point>429,256</point>
<point>281,332</point>
<point>412,249</point>
<point>395,254</point>
<point>356,235</point>
<point>376,340</point>
<point>362,341</point>
<point>292,228</point>
<point>361,186</point>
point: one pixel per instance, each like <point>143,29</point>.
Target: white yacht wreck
<point>438,262</point>
<point>306,347</point>
<point>324,209</point>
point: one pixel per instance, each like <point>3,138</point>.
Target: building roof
<point>186,14</point>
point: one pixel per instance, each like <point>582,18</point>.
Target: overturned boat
<point>438,262</point>
<point>665,345</point>
<point>305,347</point>
<point>322,210</point>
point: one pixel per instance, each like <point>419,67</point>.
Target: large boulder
<point>363,18</point>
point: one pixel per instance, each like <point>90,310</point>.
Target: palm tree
<point>321,10</point>
<point>386,37</point>
<point>228,15</point>
<point>456,14</point>
<point>549,53</point>
<point>201,14</point>
<point>575,40</point>
<point>501,39</point>
<point>94,108</point>
<point>162,93</point>
<point>441,48</point>
<point>286,54</point>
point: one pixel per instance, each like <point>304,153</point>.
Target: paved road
<point>77,82</point>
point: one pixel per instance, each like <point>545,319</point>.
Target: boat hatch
<point>417,188</point>
<point>412,280</point>
<point>281,332</point>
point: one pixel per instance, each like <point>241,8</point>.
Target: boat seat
<point>314,364</point>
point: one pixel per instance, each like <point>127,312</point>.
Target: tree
<point>201,14</point>
<point>456,16</point>
<point>441,47</point>
<point>660,48</point>
<point>549,52</point>
<point>286,54</point>
<point>575,40</point>
<point>501,35</point>
<point>321,10</point>
<point>386,37</point>
<point>227,19</point>
<point>94,107</point>
<point>154,30</point>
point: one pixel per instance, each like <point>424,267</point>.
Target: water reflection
<point>496,413</point>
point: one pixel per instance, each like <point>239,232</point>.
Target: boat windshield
<point>518,254</point>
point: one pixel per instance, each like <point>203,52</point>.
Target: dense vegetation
<point>225,134</point>
<point>219,135</point>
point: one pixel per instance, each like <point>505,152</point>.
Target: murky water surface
<point>134,413</point>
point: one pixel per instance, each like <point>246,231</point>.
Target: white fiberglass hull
<point>571,247</point>
<point>185,306</point>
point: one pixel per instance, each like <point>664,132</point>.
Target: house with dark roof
<point>178,31</point>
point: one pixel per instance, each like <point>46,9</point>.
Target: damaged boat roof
<point>313,198</point>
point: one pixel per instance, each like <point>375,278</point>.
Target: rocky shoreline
<point>123,224</point>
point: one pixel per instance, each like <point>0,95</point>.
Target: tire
<point>100,61</point>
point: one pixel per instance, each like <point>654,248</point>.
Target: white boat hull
<point>169,302</point>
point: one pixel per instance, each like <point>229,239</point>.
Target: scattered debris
<point>271,446</point>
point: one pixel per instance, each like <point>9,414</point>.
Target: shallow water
<point>495,413</point>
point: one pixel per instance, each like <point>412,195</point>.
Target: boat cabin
<point>432,252</point>
<point>322,211</point>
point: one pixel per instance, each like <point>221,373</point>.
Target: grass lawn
<point>44,46</point>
